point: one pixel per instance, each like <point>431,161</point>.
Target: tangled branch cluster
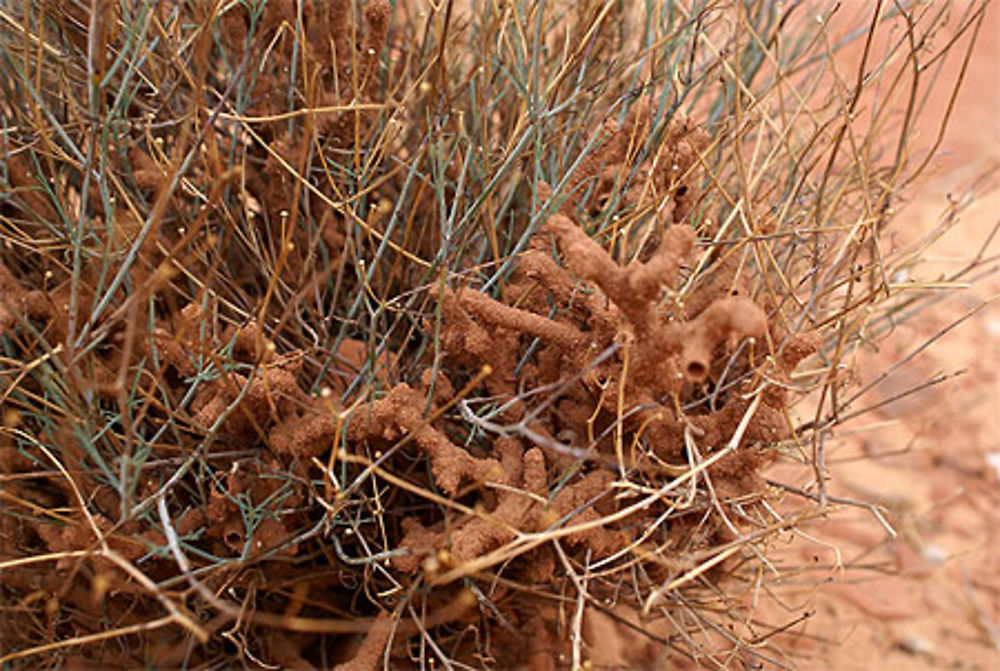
<point>370,334</point>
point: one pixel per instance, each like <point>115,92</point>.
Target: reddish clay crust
<point>372,648</point>
<point>17,301</point>
<point>667,354</point>
<point>671,172</point>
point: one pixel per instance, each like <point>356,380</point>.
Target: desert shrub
<point>393,333</point>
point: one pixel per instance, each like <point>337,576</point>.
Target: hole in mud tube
<point>601,203</point>
<point>234,539</point>
<point>696,369</point>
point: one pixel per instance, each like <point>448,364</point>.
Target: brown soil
<point>930,597</point>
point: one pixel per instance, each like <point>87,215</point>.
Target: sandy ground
<point>930,597</point>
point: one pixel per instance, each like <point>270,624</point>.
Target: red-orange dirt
<point>930,597</point>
